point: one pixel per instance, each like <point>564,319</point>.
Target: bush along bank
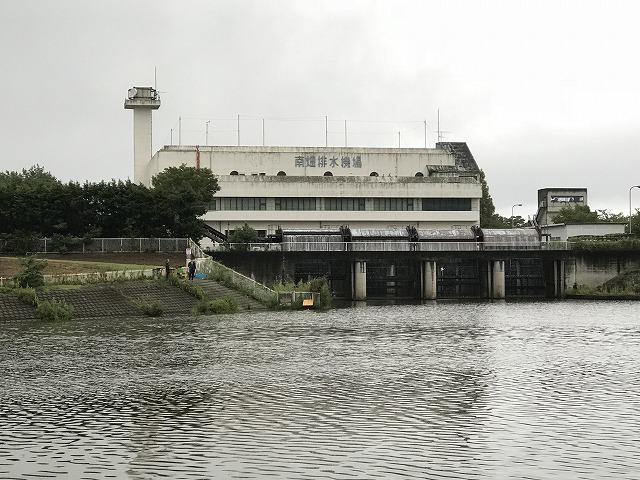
<point>205,305</point>
<point>318,286</point>
<point>47,310</point>
<point>623,287</point>
<point>30,278</point>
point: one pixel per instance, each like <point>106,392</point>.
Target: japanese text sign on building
<point>334,161</point>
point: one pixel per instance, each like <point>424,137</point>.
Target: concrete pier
<point>360,281</point>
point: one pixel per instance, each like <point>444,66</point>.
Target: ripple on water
<point>525,390</point>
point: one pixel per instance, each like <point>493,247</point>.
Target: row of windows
<point>575,199</point>
<point>392,204</point>
<point>342,204</point>
<point>328,173</point>
<point>241,203</point>
<point>295,203</point>
<point>446,204</point>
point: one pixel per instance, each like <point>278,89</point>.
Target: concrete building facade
<point>326,187</point>
<point>552,200</point>
<point>563,232</point>
<point>322,187</point>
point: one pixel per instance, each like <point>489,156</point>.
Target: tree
<point>635,224</point>
<point>607,216</point>
<point>31,273</point>
<point>241,237</point>
<point>576,215</point>
<point>488,216</point>
<point>182,194</point>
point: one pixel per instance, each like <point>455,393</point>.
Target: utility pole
<point>326,130</point>
<point>345,133</point>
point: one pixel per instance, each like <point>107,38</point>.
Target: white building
<point>564,232</point>
<point>326,187</point>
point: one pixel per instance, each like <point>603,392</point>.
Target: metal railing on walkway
<point>109,245</point>
<point>226,275</point>
<point>394,246</point>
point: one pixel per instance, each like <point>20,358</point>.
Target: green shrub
<point>31,273</point>
<point>623,244</point>
<point>149,306</point>
<point>54,310</point>
<point>318,285</point>
<point>19,242</point>
<point>27,296</point>
<point>65,243</point>
<point>218,306</point>
<point>221,275</point>
<point>190,287</point>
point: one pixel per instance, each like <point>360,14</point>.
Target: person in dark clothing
<point>167,267</point>
<point>192,269</point>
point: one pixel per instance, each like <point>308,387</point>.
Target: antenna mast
<point>440,132</point>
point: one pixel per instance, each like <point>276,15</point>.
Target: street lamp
<point>516,205</point>
<point>206,135</point>
<point>634,186</point>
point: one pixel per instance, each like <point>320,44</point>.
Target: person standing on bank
<point>167,267</point>
<point>192,269</point>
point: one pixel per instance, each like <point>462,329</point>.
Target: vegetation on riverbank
<point>34,204</point>
<point>215,307</point>
<point>148,306</point>
<point>317,285</point>
<point>604,245</point>
<point>27,281</point>
<point>624,286</point>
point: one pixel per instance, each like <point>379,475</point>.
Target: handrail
<point>107,245</point>
<point>223,274</point>
<point>395,246</point>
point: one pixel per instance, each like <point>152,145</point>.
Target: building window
<point>575,199</point>
<point>244,203</point>
<point>281,174</point>
<point>446,204</point>
<point>340,203</point>
<point>393,204</point>
<point>213,204</point>
<point>295,203</point>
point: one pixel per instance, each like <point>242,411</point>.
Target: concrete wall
<point>594,269</point>
<point>258,169</point>
<point>323,187</point>
<point>304,161</point>
<point>563,232</point>
<point>549,207</point>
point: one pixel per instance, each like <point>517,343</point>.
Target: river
<point>536,390</point>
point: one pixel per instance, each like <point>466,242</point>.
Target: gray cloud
<point>544,93</point>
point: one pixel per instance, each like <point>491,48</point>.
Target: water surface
<point>534,390</point>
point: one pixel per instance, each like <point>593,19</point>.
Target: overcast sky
<point>546,93</point>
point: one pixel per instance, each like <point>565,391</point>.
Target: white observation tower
<point>142,100</point>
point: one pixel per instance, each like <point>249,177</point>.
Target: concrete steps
<point>216,290</point>
<point>115,300</point>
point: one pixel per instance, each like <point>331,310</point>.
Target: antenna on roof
<point>440,132</point>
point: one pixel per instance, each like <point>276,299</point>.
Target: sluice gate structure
<point>411,264</point>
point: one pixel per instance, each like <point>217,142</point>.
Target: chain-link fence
<point>97,245</point>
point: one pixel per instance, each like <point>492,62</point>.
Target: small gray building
<point>552,200</point>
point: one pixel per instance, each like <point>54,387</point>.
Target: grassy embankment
<point>92,263</point>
